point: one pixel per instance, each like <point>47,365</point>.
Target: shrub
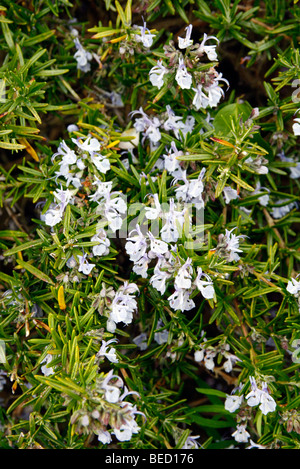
<point>150,195</point>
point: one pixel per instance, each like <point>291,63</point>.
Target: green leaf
<point>8,279</point>
<point>22,247</point>
<point>210,423</point>
<point>125,176</point>
<point>62,385</point>
<point>121,13</point>
<point>12,234</point>
<point>32,60</point>
<point>11,146</point>
<point>235,111</point>
<point>36,272</point>
<point>211,392</point>
<point>8,36</point>
<point>38,38</point>
<point>52,73</point>
<point>254,292</point>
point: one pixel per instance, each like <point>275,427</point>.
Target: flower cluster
<point>82,56</point>
<point>256,397</point>
<point>229,245</point>
<point>105,412</point>
<point>144,249</point>
<point>137,39</point>
<point>208,355</point>
<point>150,127</point>
<point>188,72</point>
<point>80,177</point>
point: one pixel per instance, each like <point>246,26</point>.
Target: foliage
<point>150,213</point>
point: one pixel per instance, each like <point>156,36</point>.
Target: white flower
<point>112,394</point>
<point>84,266</point>
<point>173,122</point>
<point>124,304</point>
<point>263,199</point>
<point>125,432</point>
<point>72,128</point>
<point>121,313</point>
<point>136,244</point>
<point>294,170</point>
<point>190,442</point>
<point>241,435</point>
<point>141,341</point>
<point>296,126</point>
<point>109,354</point>
<point>80,164</point>
<point>183,78</point>
<point>206,287</point>
<point>188,125</point>
<point>68,155</point>
<point>215,93</point>
<point>146,36</point>
<point>180,300</point>
<point>183,43</point>
<point>89,144</point>
<point>280,209</point>
<point>210,51</point>
<point>71,262</point>
<point>82,56</point>
<point>199,355</point>
<point>232,403</point>
<point>45,369</point>
<point>70,177</point>
<point>52,217</point>
<point>140,266</point>
<point>200,99</point>
<point>157,246</point>
<point>159,278</point>
<point>149,127</point>
<point>229,194</point>
<point>293,287</point>
<point>102,191</point>
<point>255,445</point>
<point>111,325</point>
<point>157,73</point>
<point>102,248</point>
<point>209,359</point>
<point>253,397</point>
<point>260,397</point>
<point>184,275</point>
<point>64,197</point>
<point>104,437</point>
<point>257,164</point>
<point>267,403</point>
<point>85,421</point>
<point>172,165</point>
<point>101,162</point>
<point>229,363</point>
<point>113,207</point>
<point>161,337</point>
<point>173,224</point>
<point>152,213</point>
<point>233,244</point>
